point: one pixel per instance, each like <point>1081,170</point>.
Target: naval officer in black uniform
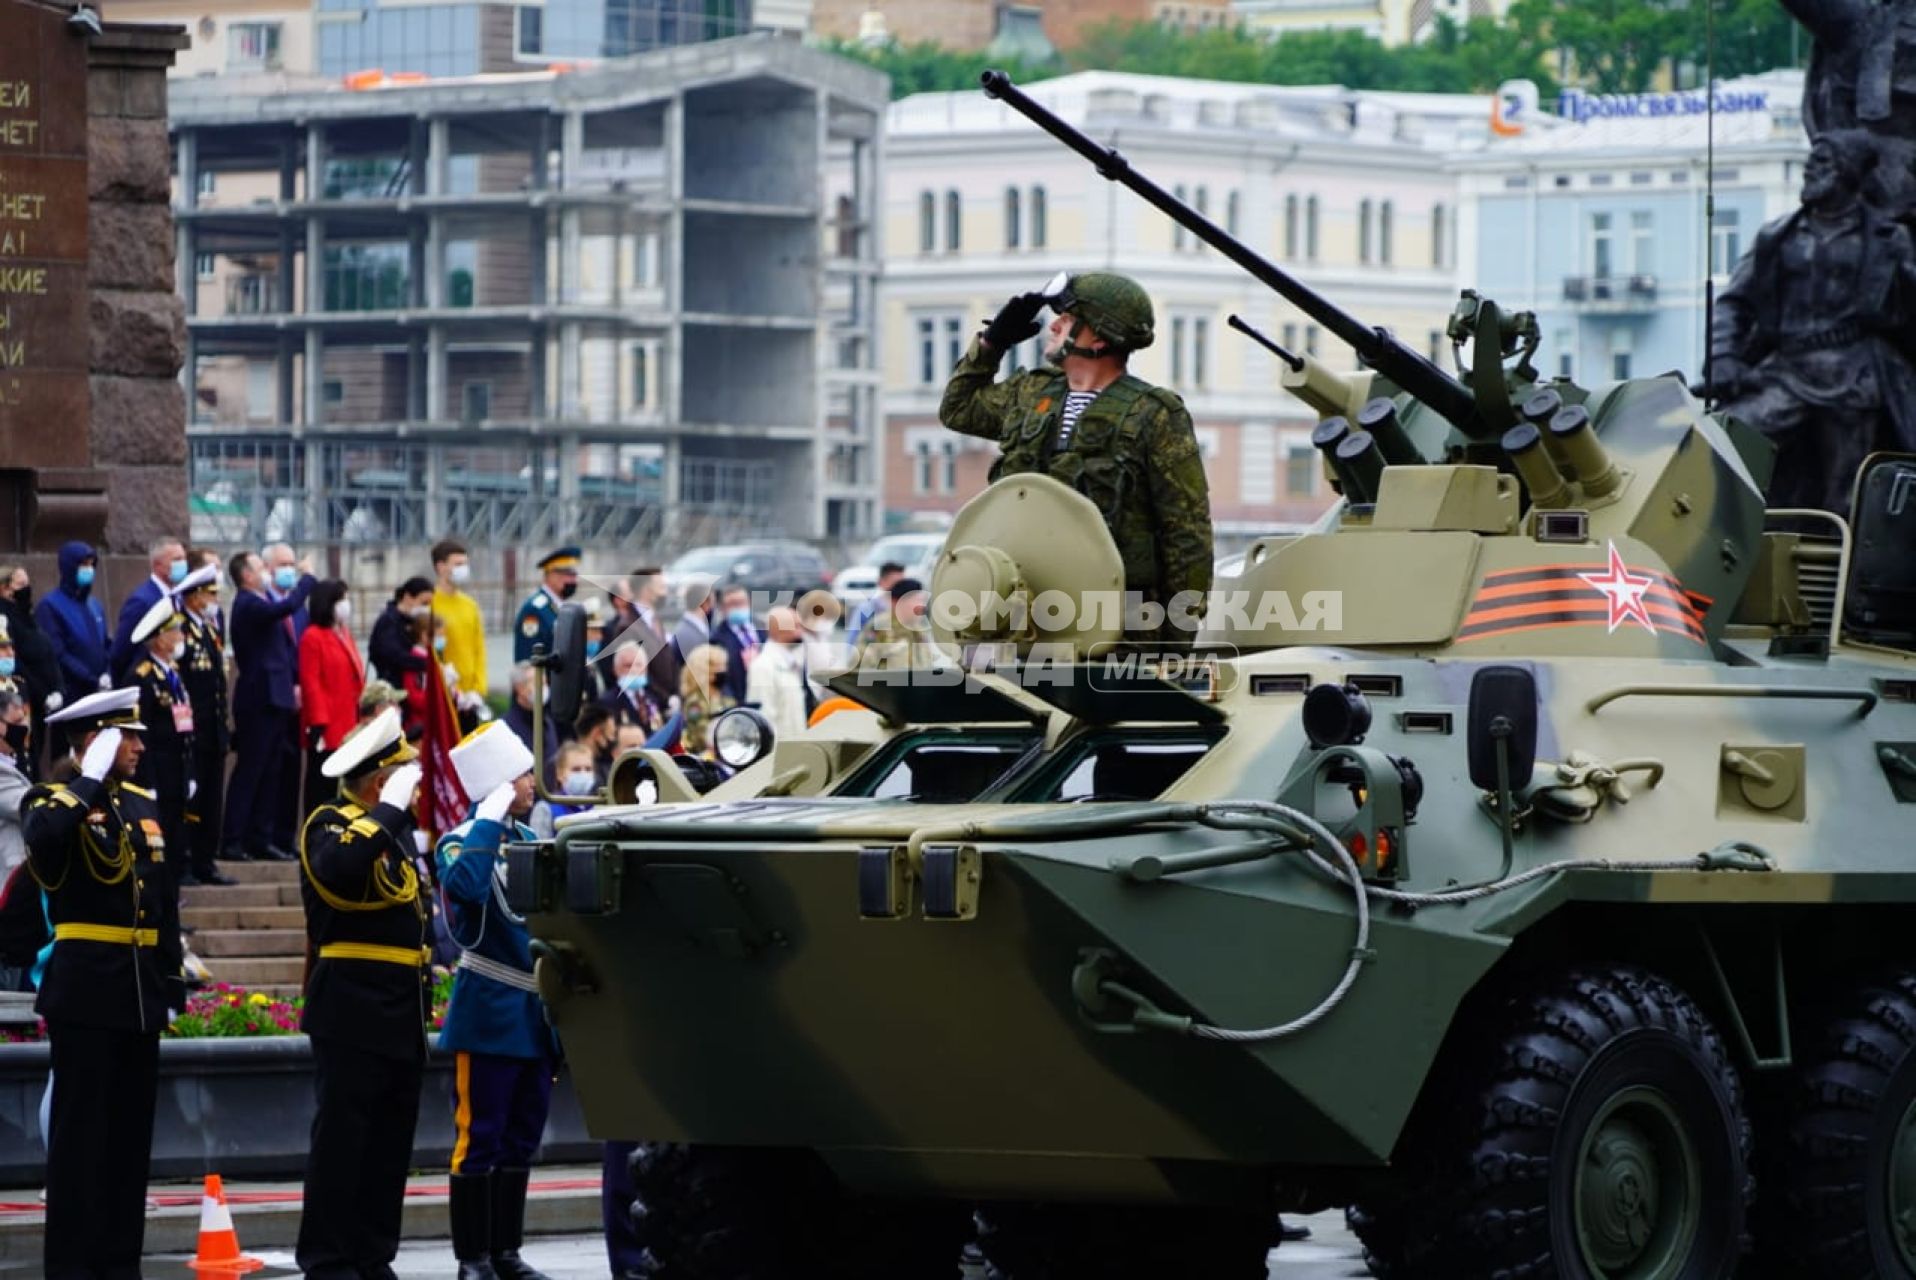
<point>96,846</point>
<point>368,1003</point>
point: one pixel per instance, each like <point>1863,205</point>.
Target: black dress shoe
<point>209,876</point>
<point>1288,1233</point>
<point>273,853</point>
<point>235,854</point>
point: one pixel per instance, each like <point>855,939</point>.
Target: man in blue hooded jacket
<point>73,620</point>
<point>507,1054</point>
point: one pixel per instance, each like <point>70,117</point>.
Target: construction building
<point>627,304</point>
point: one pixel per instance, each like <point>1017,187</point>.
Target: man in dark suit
<point>648,629</point>
<point>166,559</point>
<point>700,598</point>
<point>732,630</point>
<point>265,706</point>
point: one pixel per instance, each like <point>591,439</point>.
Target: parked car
<point>774,568</point>
<point>916,551</point>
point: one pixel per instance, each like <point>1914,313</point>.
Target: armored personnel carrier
<point>1523,863</point>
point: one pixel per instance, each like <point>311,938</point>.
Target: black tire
<point>1378,1226</point>
<point>1594,1130</point>
<point>1845,1205</point>
<point>1123,1242</point>
<point>735,1213</point>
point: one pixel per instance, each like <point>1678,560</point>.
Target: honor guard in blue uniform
<point>166,768</point>
<point>537,615</point>
<point>368,1002</point>
<point>96,848</point>
<point>507,1054</point>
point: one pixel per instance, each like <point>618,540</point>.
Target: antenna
<point>1709,199</point>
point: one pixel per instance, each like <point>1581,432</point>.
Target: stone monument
<point>92,334</point>
<point>1811,343</point>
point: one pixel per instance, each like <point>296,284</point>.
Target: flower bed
<point>223,1010</point>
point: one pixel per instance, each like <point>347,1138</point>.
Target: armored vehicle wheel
<point>1603,1138</point>
<point>736,1213</point>
<point>1123,1242</point>
<point>1847,1203</point>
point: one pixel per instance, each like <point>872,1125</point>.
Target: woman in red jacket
<point>331,676</point>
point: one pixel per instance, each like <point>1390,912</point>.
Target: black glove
<point>1015,321</point>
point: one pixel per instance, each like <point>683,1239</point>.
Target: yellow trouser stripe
<point>462,1114</point>
<point>123,934</point>
<point>415,957</point>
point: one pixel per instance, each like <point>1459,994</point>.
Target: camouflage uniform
<point>1132,452</point>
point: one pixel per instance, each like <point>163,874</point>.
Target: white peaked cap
<point>161,615</point>
<point>490,756</point>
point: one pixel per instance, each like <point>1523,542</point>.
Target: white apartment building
<point>1348,191</point>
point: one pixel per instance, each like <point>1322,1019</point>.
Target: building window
<point>1565,353</point>
<point>476,402</point>
<point>1190,351</point>
<point>950,468</point>
<point>1384,220</point>
<point>1290,227</point>
<point>203,265</point>
<point>941,341</point>
<point>927,222</point>
<point>532,32</point>
<point>1439,232</point>
<point>1231,211</point>
<point>1310,229</point>
<point>1012,219</point>
<point>1290,336</point>
<point>209,182</point>
<point>1037,218</point>
<point>954,222</point>
<point>1310,339</point>
<point>1642,243</point>
<point>1602,263</point>
<point>1363,231</point>
<point>1620,365</point>
<point>641,378</point>
<point>1726,241</point>
<point>921,470</point>
<point>251,46</point>
<point>1300,471</point>
<point>845,218</point>
<point>332,392</point>
<point>1436,346</point>
<point>1203,206</point>
<point>1183,195</point>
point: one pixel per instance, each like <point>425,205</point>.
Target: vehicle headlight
<point>741,737</point>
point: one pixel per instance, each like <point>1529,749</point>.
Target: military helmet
<point>1113,306</point>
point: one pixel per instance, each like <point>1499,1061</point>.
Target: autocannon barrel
<point>1380,349</point>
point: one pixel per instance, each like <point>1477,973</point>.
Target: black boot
<point>471,1208</point>
<point>509,1225</point>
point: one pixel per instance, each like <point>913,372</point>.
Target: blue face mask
<point>176,571</point>
<point>285,577</point>
<point>84,575</point>
<point>631,682</point>
<point>739,617</point>
<point>6,666</point>
<point>592,648</point>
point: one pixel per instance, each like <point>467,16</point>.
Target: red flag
<point>442,801</point>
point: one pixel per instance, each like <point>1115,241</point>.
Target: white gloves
<point>106,682</point>
<point>450,672</point>
<point>56,700</point>
<point>100,753</point>
<point>192,787</point>
<point>493,808</point>
<point>401,787</point>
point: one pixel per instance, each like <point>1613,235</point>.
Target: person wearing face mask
<point>392,647</point>
<point>73,621</point>
<point>735,634</point>
<point>166,562</point>
<point>37,660</point>
<point>458,617</point>
<point>777,681</point>
<point>331,675</point>
<point>630,699</point>
<point>702,697</point>
<point>597,731</point>
<point>532,627</point>
<point>202,666</point>
<point>166,769</point>
<point>577,779</point>
<point>265,706</point>
<point>13,785</point>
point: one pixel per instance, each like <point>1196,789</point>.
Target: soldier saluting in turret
<point>1090,423</point>
<point>113,983</point>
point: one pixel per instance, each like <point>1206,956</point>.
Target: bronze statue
<point>1810,340</point>
<point>1862,75</point>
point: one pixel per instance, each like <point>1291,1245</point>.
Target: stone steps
<point>256,973</point>
<point>212,918</point>
<point>210,944</point>
<point>269,894</point>
<point>261,872</point>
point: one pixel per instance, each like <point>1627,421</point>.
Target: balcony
<point>1614,294</point>
<point>253,295</point>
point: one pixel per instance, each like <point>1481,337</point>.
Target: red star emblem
<point>1624,590</point>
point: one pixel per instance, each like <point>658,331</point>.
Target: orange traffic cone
<point>219,1243</point>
